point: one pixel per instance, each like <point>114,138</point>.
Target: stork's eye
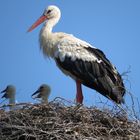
<point>48,11</point>
<point>41,87</point>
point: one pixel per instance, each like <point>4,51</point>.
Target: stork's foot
<point>79,95</point>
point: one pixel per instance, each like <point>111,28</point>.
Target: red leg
<point>79,95</point>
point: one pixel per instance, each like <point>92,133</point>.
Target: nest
<point>57,121</point>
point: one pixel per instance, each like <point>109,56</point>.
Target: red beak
<point>38,22</point>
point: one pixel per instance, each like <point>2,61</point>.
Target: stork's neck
<point>47,39</point>
<point>44,99</point>
<point>48,26</point>
<point>12,100</point>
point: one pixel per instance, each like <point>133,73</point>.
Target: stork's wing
<point>90,65</point>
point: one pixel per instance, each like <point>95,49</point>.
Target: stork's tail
<point>114,91</point>
<point>117,95</point>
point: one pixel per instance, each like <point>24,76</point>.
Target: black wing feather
<point>98,76</point>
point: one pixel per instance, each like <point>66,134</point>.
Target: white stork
<point>10,92</point>
<point>87,65</point>
<point>43,93</point>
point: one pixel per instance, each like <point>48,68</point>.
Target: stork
<point>76,58</point>
<point>43,92</point>
<point>10,92</point>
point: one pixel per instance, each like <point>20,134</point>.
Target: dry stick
<point>89,117</point>
<point>24,128</point>
<point>77,105</point>
<point>133,104</point>
<point>18,104</point>
<point>118,105</point>
<point>55,99</point>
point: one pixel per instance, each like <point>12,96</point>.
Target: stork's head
<point>52,13</point>
<point>9,92</point>
<point>43,91</point>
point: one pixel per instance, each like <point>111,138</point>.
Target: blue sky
<point>112,26</point>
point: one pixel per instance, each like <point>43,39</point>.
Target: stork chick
<point>9,93</point>
<point>43,93</point>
